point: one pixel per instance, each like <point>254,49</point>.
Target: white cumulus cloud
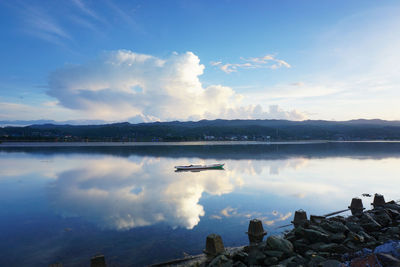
<point>123,85</point>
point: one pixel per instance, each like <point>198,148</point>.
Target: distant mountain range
<point>33,122</point>
<point>260,130</point>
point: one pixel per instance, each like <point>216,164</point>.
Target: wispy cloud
<point>87,17</point>
<point>46,23</point>
<point>39,23</point>
<point>66,23</point>
<point>81,5</point>
<point>125,15</point>
<point>83,23</point>
<point>267,61</point>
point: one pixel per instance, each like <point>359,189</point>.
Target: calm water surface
<point>67,204</point>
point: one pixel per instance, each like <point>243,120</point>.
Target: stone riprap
<point>367,238</point>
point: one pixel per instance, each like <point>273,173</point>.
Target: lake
<point>69,203</point>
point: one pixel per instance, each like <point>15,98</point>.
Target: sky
<point>142,61</point>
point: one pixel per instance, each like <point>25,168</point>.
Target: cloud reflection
<point>258,167</point>
<point>125,192</point>
<point>269,219</point>
<point>122,194</point>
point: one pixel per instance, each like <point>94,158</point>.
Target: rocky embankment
<point>367,238</point>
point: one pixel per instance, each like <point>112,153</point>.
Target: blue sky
<point>189,60</point>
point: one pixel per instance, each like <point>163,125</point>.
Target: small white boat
<point>200,167</point>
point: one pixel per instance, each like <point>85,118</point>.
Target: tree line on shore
<point>211,130</point>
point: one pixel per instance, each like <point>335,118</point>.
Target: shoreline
<point>184,143</point>
<point>365,238</point>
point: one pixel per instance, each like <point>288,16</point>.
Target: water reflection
<point>122,193</point>
<point>125,193</point>
<point>132,193</point>
<point>270,218</point>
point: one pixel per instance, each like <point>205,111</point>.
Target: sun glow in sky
<point>189,60</point>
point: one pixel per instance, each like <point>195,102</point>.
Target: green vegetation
<point>259,130</point>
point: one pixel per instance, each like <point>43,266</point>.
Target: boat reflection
<point>200,170</point>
